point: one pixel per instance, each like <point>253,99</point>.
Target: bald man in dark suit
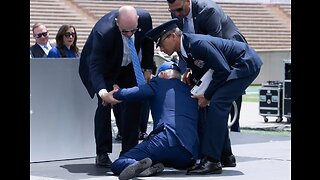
<point>106,63</point>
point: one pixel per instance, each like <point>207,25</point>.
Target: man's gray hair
<point>171,73</point>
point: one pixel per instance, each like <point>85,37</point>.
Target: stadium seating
<point>267,27</point>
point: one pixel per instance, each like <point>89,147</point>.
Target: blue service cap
<point>156,33</point>
<point>168,65</point>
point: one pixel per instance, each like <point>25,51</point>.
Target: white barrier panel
<point>61,111</point>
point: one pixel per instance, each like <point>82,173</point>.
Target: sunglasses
<point>125,31</point>
<point>132,31</point>
<point>178,9</point>
<point>69,34</point>
<point>44,34</point>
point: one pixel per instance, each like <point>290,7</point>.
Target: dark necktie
<point>46,47</point>
<point>182,64</point>
<point>136,63</point>
<point>186,25</point>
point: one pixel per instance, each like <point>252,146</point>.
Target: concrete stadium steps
<point>264,28</point>
<point>249,17</point>
<point>255,19</point>
<point>286,8</point>
<point>97,8</point>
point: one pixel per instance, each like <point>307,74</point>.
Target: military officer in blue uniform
<point>174,139</point>
<point>206,17</point>
<point>235,66</point>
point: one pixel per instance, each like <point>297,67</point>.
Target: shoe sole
<point>216,172</point>
<point>133,170</point>
<point>153,170</point>
<point>229,165</point>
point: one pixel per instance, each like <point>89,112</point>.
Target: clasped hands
<point>107,98</point>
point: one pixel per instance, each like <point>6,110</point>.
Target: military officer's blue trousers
<point>215,141</point>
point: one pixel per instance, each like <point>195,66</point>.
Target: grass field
<point>275,133</point>
<point>252,94</point>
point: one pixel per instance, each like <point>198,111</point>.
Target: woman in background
<point>66,43</point>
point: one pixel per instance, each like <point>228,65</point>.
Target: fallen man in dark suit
<point>174,140</point>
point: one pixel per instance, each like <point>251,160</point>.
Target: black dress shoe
<point>228,161</point>
<point>142,135</point>
<point>206,167</point>
<point>103,160</point>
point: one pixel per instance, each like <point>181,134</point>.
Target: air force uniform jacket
<point>229,59</point>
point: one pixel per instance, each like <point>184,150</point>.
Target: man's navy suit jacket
<point>102,54</point>
<point>172,109</point>
<point>209,18</point>
<point>37,52</point>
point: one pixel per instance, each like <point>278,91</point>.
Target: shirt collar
<point>182,50</point>
<point>189,16</point>
<point>48,45</point>
<point>125,38</point>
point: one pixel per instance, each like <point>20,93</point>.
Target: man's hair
<point>171,1</point>
<point>37,25</point>
<point>176,30</point>
<point>171,73</point>
<point>59,40</point>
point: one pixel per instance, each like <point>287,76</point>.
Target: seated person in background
<point>42,46</point>
<point>66,43</point>
<point>174,140</point>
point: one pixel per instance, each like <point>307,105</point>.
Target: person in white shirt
<point>42,46</point>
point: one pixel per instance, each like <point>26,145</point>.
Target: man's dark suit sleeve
<point>97,66</point>
<point>212,22</point>
<point>137,93</point>
<point>147,45</point>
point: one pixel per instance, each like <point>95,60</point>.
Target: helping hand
<point>107,98</point>
<point>186,78</point>
<point>202,101</point>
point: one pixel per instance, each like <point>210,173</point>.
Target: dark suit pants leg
<point>130,125</point>
<point>157,148</point>
<point>102,129</point>
<point>216,133</point>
